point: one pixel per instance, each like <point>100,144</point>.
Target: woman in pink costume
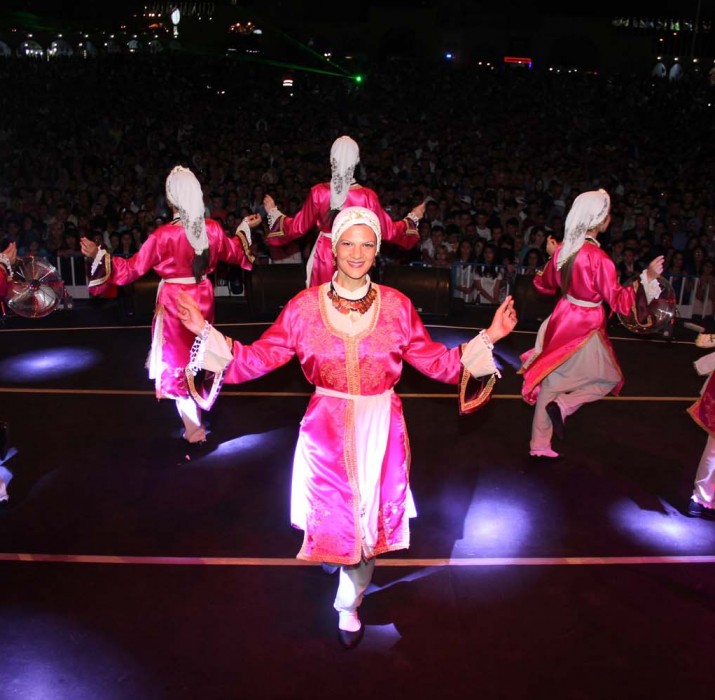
<point>350,491</point>
<point>702,501</point>
<point>324,202</point>
<point>182,252</point>
<point>573,362</point>
<point>7,259</point>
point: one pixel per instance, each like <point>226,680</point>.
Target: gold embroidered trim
<point>411,228</point>
<point>323,304</point>
<point>278,232</point>
<point>244,244</point>
<point>107,262</point>
<point>480,399</point>
<point>203,403</point>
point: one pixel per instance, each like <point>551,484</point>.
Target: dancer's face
<point>355,255</point>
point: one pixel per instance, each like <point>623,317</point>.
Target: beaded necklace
<point>345,306</point>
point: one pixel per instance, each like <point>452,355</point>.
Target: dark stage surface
<point>147,575</point>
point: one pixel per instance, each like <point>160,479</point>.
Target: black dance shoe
<point>349,640</point>
<point>4,439</point>
<point>554,412</point>
<point>695,510</point>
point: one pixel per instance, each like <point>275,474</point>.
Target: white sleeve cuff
<point>478,358</point>
<point>650,287</point>
<point>705,364</point>
<point>98,258</point>
<point>245,229</point>
<point>210,351</point>
<point>273,216</point>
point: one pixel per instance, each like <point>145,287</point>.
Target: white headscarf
<point>352,216</point>
<point>344,156</point>
<point>588,211</point>
<point>183,192</point>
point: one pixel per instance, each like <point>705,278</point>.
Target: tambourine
<point>656,317</point>
<point>35,288</point>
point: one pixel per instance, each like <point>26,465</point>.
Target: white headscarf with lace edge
<point>351,217</point>
<point>588,211</point>
<point>183,192</point>
<point>344,157</point>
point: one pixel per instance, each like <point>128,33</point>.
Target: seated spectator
<point>677,275</point>
<point>463,273</point>
<point>488,281</point>
<point>629,266</point>
<point>533,260</point>
<point>704,292</point>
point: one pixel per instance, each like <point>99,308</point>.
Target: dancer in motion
<point>7,259</point>
<point>182,252</point>
<point>702,501</point>
<point>325,200</point>
<point>350,491</point>
<point>573,362</point>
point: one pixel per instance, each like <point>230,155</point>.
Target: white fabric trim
<point>583,302</point>
<point>97,261</point>
<point>5,262</point>
<point>650,287</point>
<point>372,427</point>
<point>245,229</point>
<point>705,365</point>
<point>344,156</point>
<point>210,351</point>
<point>589,210</point>
<point>478,358</point>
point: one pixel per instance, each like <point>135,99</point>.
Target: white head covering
<point>183,192</point>
<point>344,156</point>
<point>352,216</point>
<point>588,211</point>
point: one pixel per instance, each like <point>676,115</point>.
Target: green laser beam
<point>291,66</point>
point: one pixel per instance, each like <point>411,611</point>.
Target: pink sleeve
<point>619,298</point>
<point>235,251</point>
<point>545,280</point>
<point>400,233</point>
<point>3,282</point>
<point>271,351</point>
<point>286,229</point>
<point>116,270</point>
<point>433,359</point>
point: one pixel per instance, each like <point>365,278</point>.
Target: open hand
<point>89,248</point>
<point>655,269</point>
<point>253,220</point>
<point>10,252</point>
<point>504,320</point>
<point>269,203</point>
<point>419,211</point>
<point>189,313</point>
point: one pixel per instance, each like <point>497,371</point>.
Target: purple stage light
<point>495,526</point>
<point>53,656</point>
<point>668,533</point>
<point>49,363</point>
<point>251,441</point>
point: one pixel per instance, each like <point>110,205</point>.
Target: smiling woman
<point>350,491</point>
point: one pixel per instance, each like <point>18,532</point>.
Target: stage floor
<point>130,571</point>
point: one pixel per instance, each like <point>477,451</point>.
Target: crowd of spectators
<point>499,156</point>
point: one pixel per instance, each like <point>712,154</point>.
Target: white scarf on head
<point>183,192</point>
<point>344,156</point>
<point>351,217</point>
<point>588,211</point>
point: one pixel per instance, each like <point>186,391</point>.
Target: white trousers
<point>704,491</point>
<point>190,413</point>
<point>353,583</point>
<point>588,375</point>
